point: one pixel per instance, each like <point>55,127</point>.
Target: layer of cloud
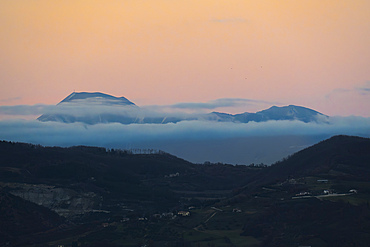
<point>220,103</point>
<point>25,109</point>
<point>336,92</point>
<point>363,89</point>
<point>59,134</point>
<point>174,110</point>
<point>9,99</point>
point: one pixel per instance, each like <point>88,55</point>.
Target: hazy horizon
<point>309,53</point>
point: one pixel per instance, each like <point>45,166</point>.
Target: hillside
<point>317,197</point>
<point>88,184</point>
<point>89,196</point>
<point>340,157</point>
<point>21,218</point>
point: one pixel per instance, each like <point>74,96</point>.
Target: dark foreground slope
<point>317,197</point>
<point>90,186</point>
<point>340,157</point>
<point>85,196</point>
<point>20,218</point>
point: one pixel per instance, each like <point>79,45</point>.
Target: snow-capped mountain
<point>290,112</point>
<point>93,108</point>
<point>95,98</point>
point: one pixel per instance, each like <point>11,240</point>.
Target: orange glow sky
<point>314,53</point>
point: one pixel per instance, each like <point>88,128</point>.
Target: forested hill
<point>90,196</point>
<point>85,184</point>
<point>317,197</point>
<point>27,162</point>
<point>82,162</point>
<point>342,157</point>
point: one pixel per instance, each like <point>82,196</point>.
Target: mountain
<point>290,112</point>
<point>96,98</point>
<point>94,108</point>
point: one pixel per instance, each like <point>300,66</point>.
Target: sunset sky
<point>314,53</point>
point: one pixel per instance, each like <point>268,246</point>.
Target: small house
<point>184,213</point>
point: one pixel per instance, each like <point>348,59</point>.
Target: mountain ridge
<point>97,107</point>
<point>290,112</point>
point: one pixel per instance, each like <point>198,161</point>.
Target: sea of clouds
<point>196,140</point>
<point>184,134</point>
<point>55,133</point>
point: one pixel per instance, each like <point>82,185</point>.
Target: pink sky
<point>310,53</point>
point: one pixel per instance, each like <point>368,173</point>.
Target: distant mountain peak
<point>290,112</point>
<point>95,97</point>
<point>92,108</point>
<point>291,108</point>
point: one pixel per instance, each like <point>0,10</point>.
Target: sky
<point>313,53</point>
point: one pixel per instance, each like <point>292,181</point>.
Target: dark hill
<point>119,198</point>
<point>19,217</point>
<point>91,185</point>
<point>342,157</point>
<point>21,162</point>
<point>317,197</point>
<point>116,176</point>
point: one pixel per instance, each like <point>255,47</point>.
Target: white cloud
<point>364,89</point>
<point>25,110</point>
<point>197,141</point>
<point>182,110</point>
<point>220,103</point>
<point>53,133</point>
<point>9,99</point>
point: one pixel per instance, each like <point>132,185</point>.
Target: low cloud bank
<point>219,103</point>
<point>113,134</point>
<point>196,141</point>
<point>24,110</point>
<point>86,107</point>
